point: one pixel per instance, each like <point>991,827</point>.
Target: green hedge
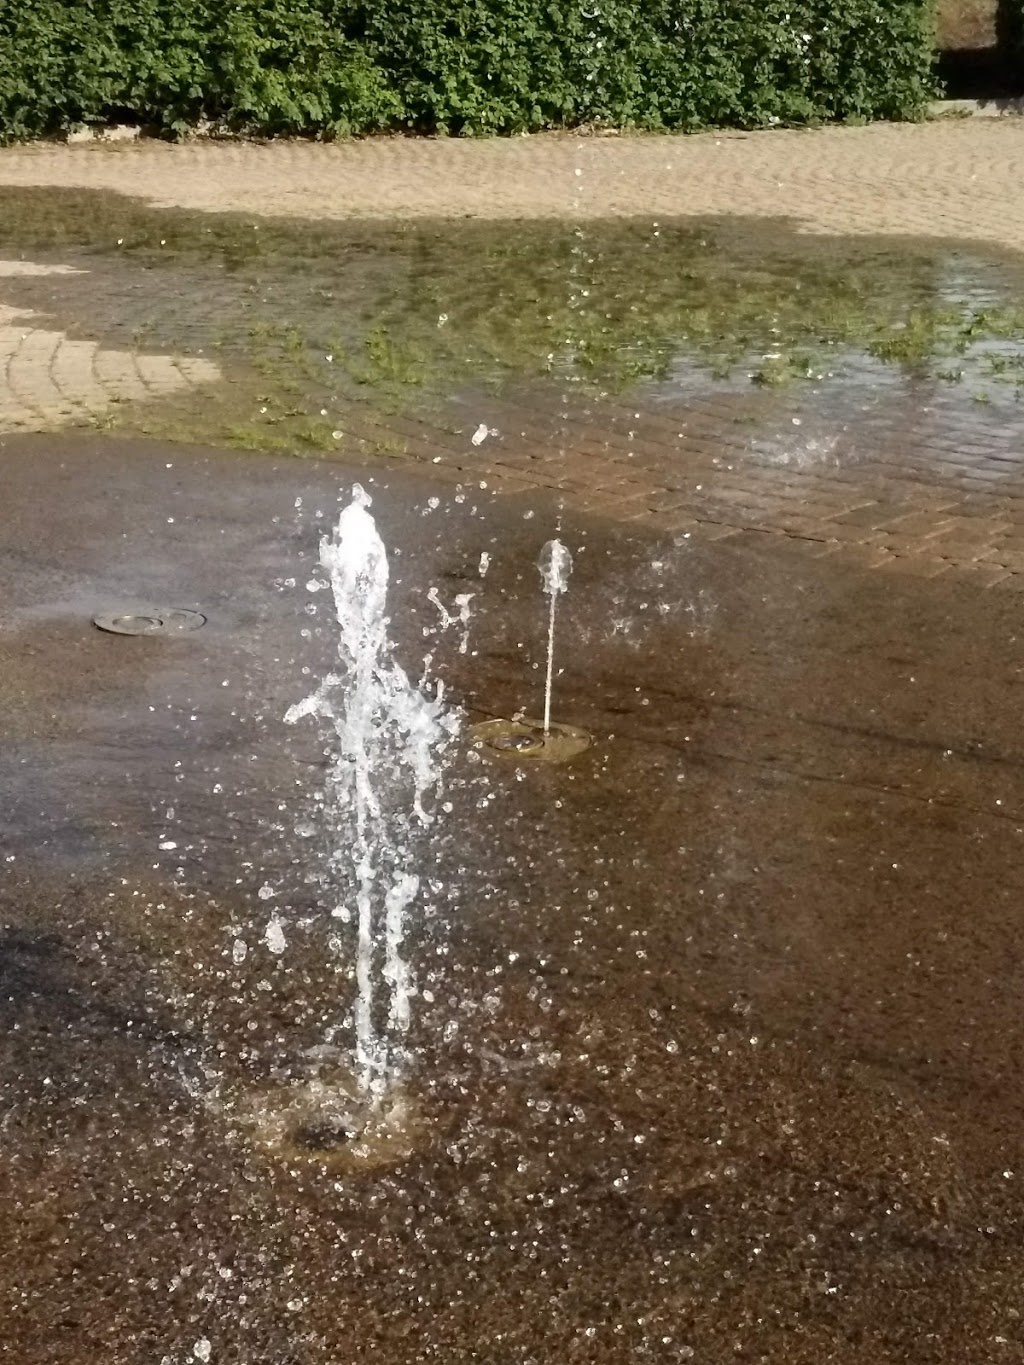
<point>331,67</point>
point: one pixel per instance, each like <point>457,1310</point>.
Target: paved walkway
<point>961,178</point>
<point>48,380</point>
<point>927,489</point>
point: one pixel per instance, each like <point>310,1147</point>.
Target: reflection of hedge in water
<point>340,66</point>
<point>424,308</point>
<point>614,304</point>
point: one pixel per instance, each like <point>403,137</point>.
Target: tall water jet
<point>555,566</point>
<point>386,760</point>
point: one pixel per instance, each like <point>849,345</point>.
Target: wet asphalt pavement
<point>721,1059</point>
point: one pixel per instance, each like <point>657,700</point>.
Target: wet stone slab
<point>716,1052</point>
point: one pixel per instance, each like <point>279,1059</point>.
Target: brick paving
<point>925,482</point>
<point>917,509</point>
<point>955,178</point>
<point>48,380</point>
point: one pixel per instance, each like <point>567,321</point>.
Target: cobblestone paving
<point>48,380</point>
<point>961,178</point>
<point>920,481</point>
<point>938,495</point>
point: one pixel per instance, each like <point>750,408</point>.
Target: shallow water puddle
<point>49,380</point>
<point>389,338</point>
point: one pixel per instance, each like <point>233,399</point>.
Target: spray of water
<point>386,760</point>
<point>555,566</point>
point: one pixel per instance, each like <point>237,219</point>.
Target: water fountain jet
<point>523,738</point>
<point>386,759</point>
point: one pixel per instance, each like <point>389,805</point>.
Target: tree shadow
<point>991,72</point>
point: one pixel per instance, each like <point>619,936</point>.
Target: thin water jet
<point>555,566</point>
<point>531,739</point>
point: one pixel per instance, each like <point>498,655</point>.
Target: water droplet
<point>274,937</point>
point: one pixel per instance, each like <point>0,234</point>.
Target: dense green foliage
<point>331,67</point>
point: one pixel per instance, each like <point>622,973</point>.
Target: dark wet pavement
<point>721,1059</point>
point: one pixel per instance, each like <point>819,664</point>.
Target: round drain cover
<point>520,743</point>
<point>163,621</point>
<point>328,1121</point>
<point>526,739</point>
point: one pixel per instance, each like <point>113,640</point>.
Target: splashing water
<point>462,602</point>
<point>390,741</point>
<point>555,566</point>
